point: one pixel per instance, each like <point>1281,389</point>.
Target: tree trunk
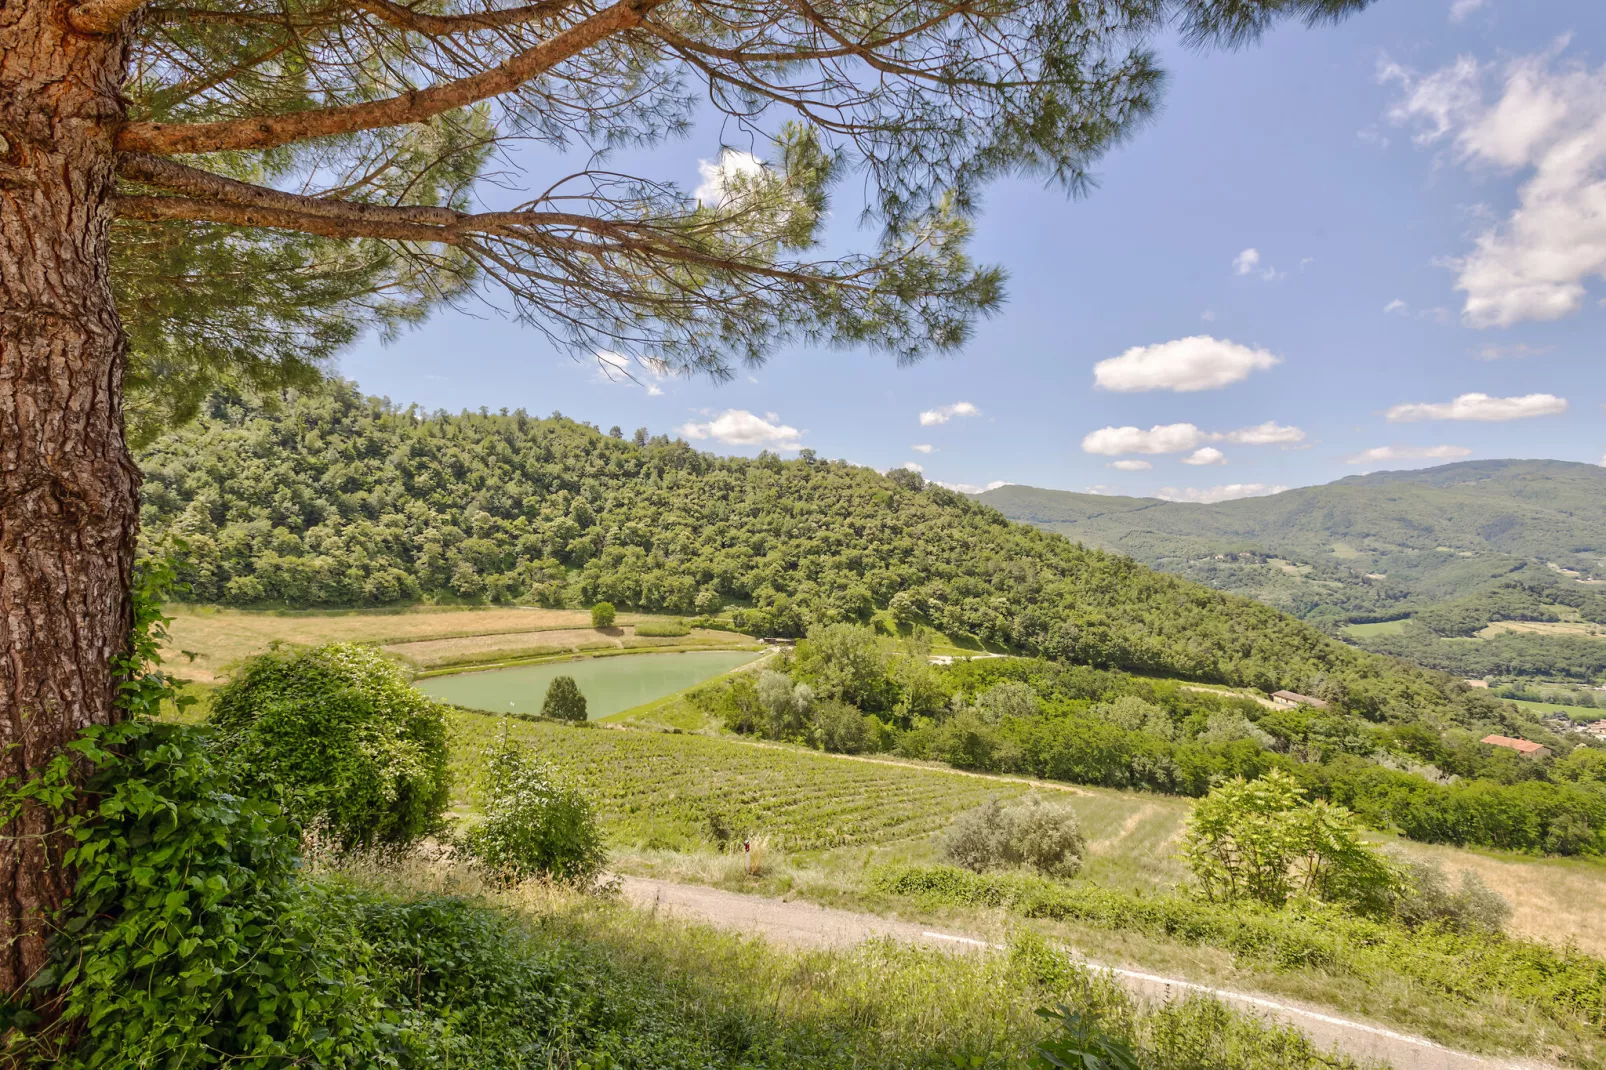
<point>68,489</point>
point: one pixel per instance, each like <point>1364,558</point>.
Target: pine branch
<point>102,16</point>
<point>224,200</point>
<point>442,25</point>
<point>271,131</point>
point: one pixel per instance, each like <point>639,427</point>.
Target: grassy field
<point>656,991</point>
<point>1544,627</point>
<point>1382,627</point>
<point>833,822</point>
<point>428,636</point>
<point>840,814</point>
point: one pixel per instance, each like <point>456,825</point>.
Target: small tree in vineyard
<point>564,700</point>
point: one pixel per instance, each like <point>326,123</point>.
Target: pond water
<point>609,684</point>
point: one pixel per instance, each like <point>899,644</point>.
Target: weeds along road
<point>807,925</point>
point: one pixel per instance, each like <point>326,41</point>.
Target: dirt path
<point>808,925</point>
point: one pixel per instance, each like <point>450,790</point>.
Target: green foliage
<point>602,615</point>
<point>551,506</point>
<point>534,825</point>
<point>1079,1044</point>
<point>1461,545</point>
<point>1045,836</point>
<point>657,789</point>
<point>1465,967</point>
<point>1428,899</point>
<point>187,940</point>
<point>837,727</point>
<point>340,737</point>
<point>786,707</point>
<point>846,662</point>
<point>1260,839</point>
<point>563,701</point>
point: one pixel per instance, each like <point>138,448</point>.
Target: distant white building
<point>1289,699</point>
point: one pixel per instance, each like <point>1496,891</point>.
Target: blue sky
<point>1380,245</point>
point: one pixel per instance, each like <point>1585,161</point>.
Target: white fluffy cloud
<point>738,427</point>
<point>1131,466</point>
<point>1185,365</point>
<point>1463,8</point>
<point>1218,494</point>
<point>943,413</point>
<point>1205,455</point>
<point>1546,121</point>
<point>1162,438</point>
<point>1395,305</point>
<point>1181,438</point>
<point>910,466</point>
<point>1481,407</point>
<point>720,178</point>
<point>1270,433</point>
<point>923,447</point>
<point>1248,263</point>
<point>1378,454</point>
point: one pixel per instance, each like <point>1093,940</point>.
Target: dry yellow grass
<point>437,653</point>
<point>1555,899</point>
<point>1544,627</point>
<point>220,637</point>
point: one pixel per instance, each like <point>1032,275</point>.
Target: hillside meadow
<point>833,829</point>
<point>655,791</point>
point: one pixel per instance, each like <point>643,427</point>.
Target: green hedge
<point>1566,984</point>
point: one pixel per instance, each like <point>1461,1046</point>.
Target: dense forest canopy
<point>342,500</point>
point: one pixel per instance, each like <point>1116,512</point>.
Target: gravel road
<point>807,925</point>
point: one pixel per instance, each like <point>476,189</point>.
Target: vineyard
<point>659,789</point>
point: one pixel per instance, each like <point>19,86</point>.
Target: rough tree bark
<point>68,488</point>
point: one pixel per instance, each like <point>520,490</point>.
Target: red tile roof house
<point>1521,746</point>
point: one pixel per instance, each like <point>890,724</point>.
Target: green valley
<point>1452,549</point>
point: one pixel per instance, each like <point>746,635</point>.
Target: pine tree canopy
<point>294,172</point>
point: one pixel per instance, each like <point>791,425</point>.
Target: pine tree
<point>249,183</point>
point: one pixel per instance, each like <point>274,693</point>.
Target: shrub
<point>839,728</point>
<point>534,826</point>
<point>187,941</point>
<point>1045,836</point>
<point>733,700</point>
<point>1260,839</point>
<point>337,733</point>
<point>786,705</point>
<point>564,701</point>
<point>1427,898</point>
<point>602,615</point>
<point>1008,699</point>
<point>663,629</point>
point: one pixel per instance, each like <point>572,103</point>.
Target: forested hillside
<point>1456,547</point>
<point>345,500</point>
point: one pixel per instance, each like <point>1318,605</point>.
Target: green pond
<point>609,684</point>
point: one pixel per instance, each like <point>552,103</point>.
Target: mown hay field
<point>219,637</point>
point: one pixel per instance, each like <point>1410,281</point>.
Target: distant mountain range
<point>1382,546</point>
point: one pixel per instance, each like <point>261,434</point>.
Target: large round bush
<point>352,750</point>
